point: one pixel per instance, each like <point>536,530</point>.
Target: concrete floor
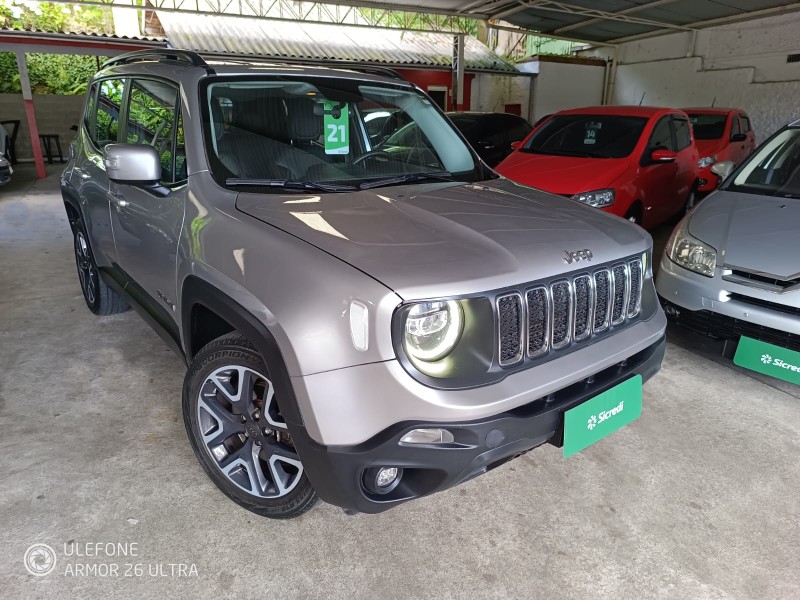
<point>698,499</point>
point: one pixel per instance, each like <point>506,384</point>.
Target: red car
<point>636,162</point>
<point>719,134</point>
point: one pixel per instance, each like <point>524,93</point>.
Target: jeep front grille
<point>547,318</point>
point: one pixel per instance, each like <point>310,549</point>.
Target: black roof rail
<point>159,54</point>
<point>366,68</point>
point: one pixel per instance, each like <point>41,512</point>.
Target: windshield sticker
<point>337,128</point>
<point>591,132</point>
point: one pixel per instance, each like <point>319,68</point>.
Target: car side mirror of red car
<point>662,155</point>
<point>515,145</point>
<point>739,137</point>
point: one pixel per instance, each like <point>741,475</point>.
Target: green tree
<point>62,74</point>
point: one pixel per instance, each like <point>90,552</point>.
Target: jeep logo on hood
<point>577,255</point>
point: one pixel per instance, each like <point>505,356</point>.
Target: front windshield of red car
<point>708,127</point>
<point>587,136</point>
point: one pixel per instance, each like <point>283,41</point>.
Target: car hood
<point>562,174</point>
<point>450,238</point>
<point>752,232</point>
<point>709,147</point>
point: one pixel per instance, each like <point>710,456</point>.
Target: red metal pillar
<point>30,113</point>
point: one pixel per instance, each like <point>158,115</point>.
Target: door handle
<point>119,199</point>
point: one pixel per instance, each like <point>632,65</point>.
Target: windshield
<point>592,136</point>
<point>774,170</point>
<point>708,127</point>
<point>287,132</point>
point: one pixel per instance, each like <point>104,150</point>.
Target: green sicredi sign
<point>602,415</point>
<point>768,359</point>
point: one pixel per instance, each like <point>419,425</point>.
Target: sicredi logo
<point>780,363</point>
<point>604,415</point>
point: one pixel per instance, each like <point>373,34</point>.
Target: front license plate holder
<point>591,421</point>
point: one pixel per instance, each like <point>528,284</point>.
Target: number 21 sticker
<point>336,123</point>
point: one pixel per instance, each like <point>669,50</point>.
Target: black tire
<point>262,475</point>
<point>691,202</point>
<point>635,214</point>
<point>101,299</point>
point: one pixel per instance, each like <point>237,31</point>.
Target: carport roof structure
<point>599,20</point>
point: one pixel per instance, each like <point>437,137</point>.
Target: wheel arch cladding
<point>202,300</point>
<point>72,206</point>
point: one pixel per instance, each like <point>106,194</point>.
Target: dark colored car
<point>491,134</point>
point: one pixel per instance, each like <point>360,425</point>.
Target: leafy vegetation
<point>62,74</point>
<point>48,16</point>
<point>52,73</point>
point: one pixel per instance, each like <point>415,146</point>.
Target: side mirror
<point>739,137</point>
<point>135,164</point>
<point>515,145</point>
<point>723,169</point>
<point>662,155</point>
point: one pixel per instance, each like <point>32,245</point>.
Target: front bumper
<point>337,472</point>
<point>710,178</point>
<point>724,310</point>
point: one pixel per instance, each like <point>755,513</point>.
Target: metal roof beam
<point>627,11</point>
<point>329,12</point>
<point>746,16</point>
<point>601,15</point>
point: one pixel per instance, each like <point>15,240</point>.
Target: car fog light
<point>382,480</point>
<point>427,436</point>
<point>386,477</point>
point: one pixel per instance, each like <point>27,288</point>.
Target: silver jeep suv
<point>363,322</point>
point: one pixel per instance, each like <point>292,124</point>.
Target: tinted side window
<point>91,107</point>
<point>661,136</point>
<point>520,130</point>
<point>683,137</point>
<point>109,103</point>
<point>151,120</point>
<point>181,168</point>
<point>735,126</point>
<point>746,127</point>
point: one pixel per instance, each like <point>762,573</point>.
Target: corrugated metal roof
<point>598,20</point>
<point>317,42</point>
<point>37,40</point>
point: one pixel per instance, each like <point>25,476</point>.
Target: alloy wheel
<point>87,273</point>
<point>244,433</point>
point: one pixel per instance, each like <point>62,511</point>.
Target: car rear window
<point>591,136</point>
<point>708,127</point>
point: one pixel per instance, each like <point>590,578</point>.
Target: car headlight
<point>706,161</point>
<point>432,329</point>
<point>690,253</point>
<point>596,198</point>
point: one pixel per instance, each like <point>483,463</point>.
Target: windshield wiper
<point>289,184</point>
<point>408,178</point>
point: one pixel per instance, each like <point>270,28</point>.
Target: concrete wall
<point>54,114</point>
<point>560,86</point>
<point>741,65</point>
<point>491,93</point>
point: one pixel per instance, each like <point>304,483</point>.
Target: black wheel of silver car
<point>234,423</point>
<point>101,299</point>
